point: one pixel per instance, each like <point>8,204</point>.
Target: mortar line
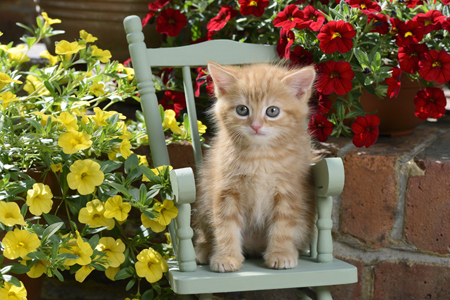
<point>423,145</point>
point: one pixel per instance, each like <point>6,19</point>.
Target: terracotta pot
<point>101,18</point>
<point>396,114</point>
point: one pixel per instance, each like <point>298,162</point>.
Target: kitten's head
<point>262,103</point>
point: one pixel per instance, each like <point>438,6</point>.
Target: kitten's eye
<point>242,110</point>
<point>273,111</point>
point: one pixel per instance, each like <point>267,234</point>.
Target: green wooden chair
<point>316,271</point>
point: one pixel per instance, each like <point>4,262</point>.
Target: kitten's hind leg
<point>202,252</point>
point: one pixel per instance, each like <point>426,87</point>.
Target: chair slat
<point>219,51</point>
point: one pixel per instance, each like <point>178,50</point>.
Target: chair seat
<point>254,275</point>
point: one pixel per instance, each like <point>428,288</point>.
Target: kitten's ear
<point>301,81</point>
<point>223,78</point>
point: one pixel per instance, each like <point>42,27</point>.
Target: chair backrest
<point>186,57</point>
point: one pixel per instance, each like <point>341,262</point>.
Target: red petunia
<point>320,103</point>
<point>394,83</point>
<point>435,65</point>
<point>431,20</point>
<point>413,3</point>
<point>173,100</point>
<point>170,22</point>
<point>430,103</point>
<point>289,18</point>
<point>366,131</point>
<point>409,57</point>
<point>226,13</point>
<point>253,7</point>
<point>152,8</point>
<point>336,36</point>
<point>365,5</point>
<point>410,32</point>
<point>300,57</point>
<point>446,23</point>
<point>313,18</point>
<point>335,77</point>
<point>379,24</point>
<point>319,127</point>
<point>284,43</point>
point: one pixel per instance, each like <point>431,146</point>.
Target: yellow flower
<point>167,210</point>
<point>111,273</point>
<point>68,120</point>
<point>1,33</point>
<point>10,214</point>
<point>104,55</point>
<point>73,141</point>
<point>84,176</point>
<point>169,240</point>
<point>37,270</point>
<point>170,122</point>
<point>18,54</point>
<point>7,98</point>
<point>81,249</point>
<point>97,89</point>
<point>67,49</point>
<point>161,169</point>
<point>87,37</point>
<point>11,292</point>
<point>143,160</point>
<point>114,250</point>
<point>93,214</point>
<point>52,60</point>
<point>116,208</point>
<point>130,73</point>
<point>49,21</point>
<point>56,167</point>
<point>125,133</point>
<point>44,117</point>
<point>39,199</point>
<point>83,272</point>
<point>34,84</point>
<point>19,243</point>
<point>5,79</point>
<point>201,127</point>
<point>125,148</point>
<point>150,265</point>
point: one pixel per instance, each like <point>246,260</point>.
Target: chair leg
<point>323,293</point>
<point>205,296</point>
<point>303,295</point>
<point>188,297</point>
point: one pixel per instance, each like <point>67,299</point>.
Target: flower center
<point>414,54</point>
<point>335,35</point>
<point>149,265</point>
<point>20,244</point>
<point>11,294</point>
<point>253,3</point>
<point>9,215</point>
<point>95,216</point>
<point>84,174</point>
<point>368,128</point>
<point>334,74</point>
<point>409,33</point>
<point>74,142</point>
<point>172,21</point>
<point>436,64</point>
<point>428,22</point>
<point>431,100</point>
<point>314,18</point>
<point>363,6</point>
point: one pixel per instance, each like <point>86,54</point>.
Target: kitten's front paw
<point>202,251</point>
<point>225,264</point>
<point>281,260</point>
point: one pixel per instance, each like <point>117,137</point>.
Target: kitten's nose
<point>256,127</point>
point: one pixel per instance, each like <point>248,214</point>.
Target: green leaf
<point>93,241</point>
<point>52,219</point>
<point>110,165</point>
<point>135,173</point>
<point>23,209</point>
<point>50,88</point>
<point>362,58</point>
<point>58,274</point>
<point>123,274</point>
<point>11,279</point>
<point>149,214</point>
<point>148,295</point>
<point>142,193</point>
<point>51,230</point>
<point>376,63</point>
<point>130,284</point>
<point>37,255</point>
<point>25,27</point>
<point>55,250</point>
<point>36,125</point>
<point>67,256</point>
<point>19,268</point>
<point>150,175</point>
<point>119,187</point>
<point>131,163</point>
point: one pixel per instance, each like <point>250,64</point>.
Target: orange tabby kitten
<point>255,195</point>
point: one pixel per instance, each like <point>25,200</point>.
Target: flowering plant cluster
<point>73,195</point>
<point>356,45</point>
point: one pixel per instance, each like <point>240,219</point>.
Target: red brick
<point>349,291</point>
<point>427,223</point>
<point>400,281</point>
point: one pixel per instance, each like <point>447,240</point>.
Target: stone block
<point>400,281</point>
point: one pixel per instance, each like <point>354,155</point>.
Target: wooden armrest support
<point>183,186</point>
<point>329,180</point>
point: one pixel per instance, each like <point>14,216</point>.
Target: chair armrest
<point>183,187</point>
<point>329,180</point>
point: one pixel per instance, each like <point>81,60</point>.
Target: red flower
<point>365,5</point>
<point>218,22</point>
<point>152,8</point>
<point>446,23</point>
<point>335,77</point>
<point>253,7</point>
<point>410,32</point>
<point>394,83</point>
<point>173,100</point>
<point>313,18</point>
<point>284,43</point>
<point>300,57</point>
<point>430,103</point>
<point>289,18</point>
<point>170,22</point>
<point>380,23</point>
<point>147,17</point>
<point>435,65</point>
<point>413,3</point>
<point>336,36</point>
<point>202,77</point>
<point>410,56</point>
<point>320,103</point>
<point>366,131</point>
<point>430,20</point>
<point>319,127</point>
